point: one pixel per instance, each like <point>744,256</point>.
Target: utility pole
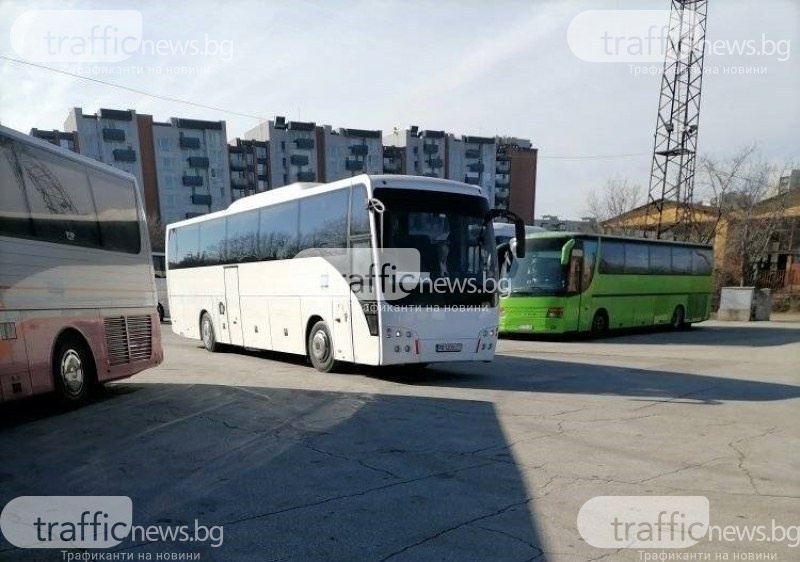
<point>675,146</point>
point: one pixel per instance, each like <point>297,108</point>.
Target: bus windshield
<point>540,272</point>
<point>452,236</point>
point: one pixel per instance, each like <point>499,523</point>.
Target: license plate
<point>448,347</point>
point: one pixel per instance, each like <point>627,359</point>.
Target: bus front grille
<point>128,339</point>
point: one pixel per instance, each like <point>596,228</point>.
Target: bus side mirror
<point>565,251</point>
<point>519,234</point>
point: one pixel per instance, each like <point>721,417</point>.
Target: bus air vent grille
<point>128,339</point>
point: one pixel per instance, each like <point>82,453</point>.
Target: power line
<point>599,157</point>
<point>259,117</point>
<point>134,90</point>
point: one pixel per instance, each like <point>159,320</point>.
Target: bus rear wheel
<point>678,321</point>
<point>320,348</point>
<point>207,333</point>
<point>73,371</point>
<point>599,323</point>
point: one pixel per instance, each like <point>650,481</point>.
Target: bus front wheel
<point>600,323</point>
<point>207,333</point>
<point>73,370</point>
<point>320,348</point>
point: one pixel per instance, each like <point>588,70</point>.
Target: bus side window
<point>589,259</point>
<point>574,280</point>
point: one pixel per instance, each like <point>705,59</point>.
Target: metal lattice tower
<point>675,146</point>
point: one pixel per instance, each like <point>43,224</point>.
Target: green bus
<point>573,282</point>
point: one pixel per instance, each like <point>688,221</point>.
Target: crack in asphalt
<point>354,494</point>
<point>456,527</point>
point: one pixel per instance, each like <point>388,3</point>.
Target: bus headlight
<point>555,312</point>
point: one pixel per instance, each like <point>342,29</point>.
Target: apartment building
<point>424,152</point>
<point>110,136</point>
<point>472,159</point>
<point>192,167</point>
<point>515,176</point>
<point>64,139</point>
<point>249,166</point>
<point>294,154</point>
<point>349,152</point>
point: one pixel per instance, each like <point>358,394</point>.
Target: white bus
<point>77,297</point>
<point>240,277</point>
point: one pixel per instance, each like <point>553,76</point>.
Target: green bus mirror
<point>565,251</point>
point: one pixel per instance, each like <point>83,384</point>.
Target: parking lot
<point>463,462</point>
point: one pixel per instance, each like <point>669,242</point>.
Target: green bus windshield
<point>540,272</point>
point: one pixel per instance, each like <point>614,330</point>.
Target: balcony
<point>435,162</point>
<point>359,150</point>
<point>298,160</point>
<point>261,159</point>
<point>475,167</point>
<point>431,175</point>
<point>391,166</point>
<point>306,176</point>
<point>501,183</point>
<point>189,143</point>
<point>113,135</point>
<point>305,144</point>
<point>472,181</point>
<point>263,177</point>
<point>239,183</point>
<point>430,148</point>
<point>124,155</point>
<point>472,153</point>
<point>237,166</point>
<point>193,181</point>
<point>353,165</point>
<point>201,199</point>
<point>197,162</point>
<point>503,169</point>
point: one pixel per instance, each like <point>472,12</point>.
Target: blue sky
<point>483,68</point>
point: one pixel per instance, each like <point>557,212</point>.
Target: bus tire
<point>320,348</point>
<point>599,323</point>
<point>160,313</point>
<point>678,321</point>
<point>74,373</point>
<point>207,333</point>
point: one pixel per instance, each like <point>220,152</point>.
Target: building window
<point>164,144</point>
<point>213,172</point>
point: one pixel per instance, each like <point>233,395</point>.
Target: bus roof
<point>65,153</point>
<point>299,190</point>
<point>560,234</point>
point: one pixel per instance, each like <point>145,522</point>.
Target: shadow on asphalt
<point>755,336</point>
<point>560,377</point>
<point>305,475</point>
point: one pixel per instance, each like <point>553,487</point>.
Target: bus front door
<point>342,329</point>
<point>233,306</point>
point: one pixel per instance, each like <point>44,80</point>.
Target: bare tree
<point>158,232</point>
<point>747,210</point>
<point>617,197</point>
